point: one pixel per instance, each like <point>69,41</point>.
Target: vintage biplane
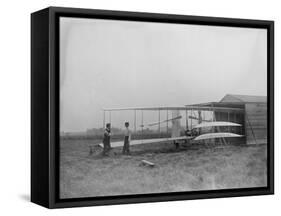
<point>196,118</point>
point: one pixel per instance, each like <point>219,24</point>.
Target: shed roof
<point>244,98</point>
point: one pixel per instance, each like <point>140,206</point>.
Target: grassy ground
<point>192,167</point>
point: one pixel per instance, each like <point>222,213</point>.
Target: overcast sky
<point>106,63</point>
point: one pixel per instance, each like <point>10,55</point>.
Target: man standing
<point>127,139</point>
<point>106,140</point>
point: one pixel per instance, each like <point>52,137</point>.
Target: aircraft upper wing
<point>146,108</point>
<point>184,108</point>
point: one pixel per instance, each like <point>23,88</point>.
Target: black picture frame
<point>45,106</point>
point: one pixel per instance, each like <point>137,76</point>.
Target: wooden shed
<point>249,111</point>
<point>254,117</point>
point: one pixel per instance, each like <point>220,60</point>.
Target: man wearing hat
<point>106,139</point>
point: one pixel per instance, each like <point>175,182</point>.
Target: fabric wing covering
<point>217,124</point>
<point>216,135</point>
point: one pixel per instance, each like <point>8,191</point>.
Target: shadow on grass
<point>25,197</point>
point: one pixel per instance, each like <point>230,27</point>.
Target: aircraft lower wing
<point>147,141</point>
<point>158,140</point>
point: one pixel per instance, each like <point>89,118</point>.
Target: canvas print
<point>150,107</point>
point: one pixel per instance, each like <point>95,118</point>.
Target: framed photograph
<point>134,107</point>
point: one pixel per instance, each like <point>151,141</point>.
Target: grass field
<point>189,168</point>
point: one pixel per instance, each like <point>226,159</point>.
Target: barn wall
<point>256,123</point>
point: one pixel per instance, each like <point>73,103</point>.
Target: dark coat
<point>106,137</point>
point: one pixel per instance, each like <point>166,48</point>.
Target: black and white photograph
<point>151,107</point>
